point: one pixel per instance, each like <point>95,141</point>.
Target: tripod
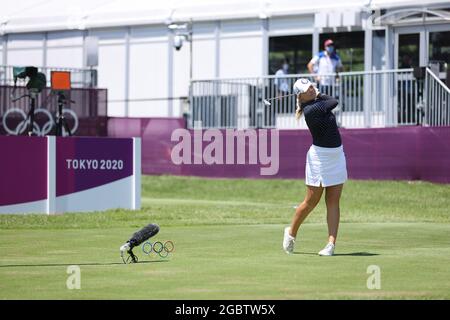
<point>33,96</point>
<point>60,119</point>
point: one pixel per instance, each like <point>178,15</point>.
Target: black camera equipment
<point>36,82</point>
<point>61,85</point>
<point>60,119</point>
<point>136,239</point>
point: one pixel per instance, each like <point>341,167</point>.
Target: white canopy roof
<point>46,15</point>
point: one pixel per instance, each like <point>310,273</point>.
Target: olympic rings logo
<point>40,131</point>
<point>163,250</point>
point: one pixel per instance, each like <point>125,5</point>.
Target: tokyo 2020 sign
<point>55,175</point>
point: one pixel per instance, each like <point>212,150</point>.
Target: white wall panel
<point>1,50</point>
<point>148,70</point>
<point>148,78</point>
<point>65,57</point>
<point>116,108</point>
<point>109,36</point>
<point>291,25</point>
<point>25,57</point>
<point>204,60</point>
<point>241,28</point>
<point>26,40</point>
<point>65,38</point>
<point>241,57</point>
<point>148,108</point>
<point>152,34</point>
<point>179,106</point>
<point>111,75</point>
<point>204,30</point>
<point>204,50</point>
<point>181,63</point>
<point>241,46</point>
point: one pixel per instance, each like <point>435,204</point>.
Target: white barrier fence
<point>385,98</point>
<point>437,101</point>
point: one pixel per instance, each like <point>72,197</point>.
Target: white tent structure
<point>53,15</point>
<point>145,76</point>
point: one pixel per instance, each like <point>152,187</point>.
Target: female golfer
<point>325,163</point>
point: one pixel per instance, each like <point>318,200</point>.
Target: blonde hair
<point>299,110</point>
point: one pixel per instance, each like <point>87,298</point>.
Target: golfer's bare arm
<point>310,67</point>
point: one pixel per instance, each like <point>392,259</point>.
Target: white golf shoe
<point>288,241</point>
<point>328,250</point>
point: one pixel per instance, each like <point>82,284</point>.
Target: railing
<point>437,101</point>
<point>80,78</point>
<point>385,98</point>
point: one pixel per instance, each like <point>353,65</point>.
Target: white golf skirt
<point>325,166</point>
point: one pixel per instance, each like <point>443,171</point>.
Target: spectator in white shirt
<point>281,82</point>
<point>325,63</point>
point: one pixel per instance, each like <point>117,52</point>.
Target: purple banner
<point>23,169</point>
<point>434,148</point>
<point>84,163</point>
<point>403,153</point>
<point>156,144</point>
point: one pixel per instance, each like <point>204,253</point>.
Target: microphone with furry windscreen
<point>138,237</point>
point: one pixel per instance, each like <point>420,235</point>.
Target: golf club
<point>267,101</point>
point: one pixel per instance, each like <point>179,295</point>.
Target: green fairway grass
<point>228,235</point>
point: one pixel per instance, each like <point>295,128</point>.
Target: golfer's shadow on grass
<point>74,264</point>
<point>352,254</point>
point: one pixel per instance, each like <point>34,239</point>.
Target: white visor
<point>301,85</point>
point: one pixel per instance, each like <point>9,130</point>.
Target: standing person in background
<point>324,63</point>
<point>281,83</point>
<point>282,88</point>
